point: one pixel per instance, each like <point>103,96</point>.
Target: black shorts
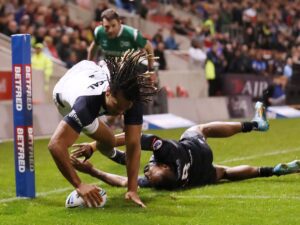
<point>202,172</point>
<point>189,134</point>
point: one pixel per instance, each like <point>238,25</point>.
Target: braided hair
<point>125,76</point>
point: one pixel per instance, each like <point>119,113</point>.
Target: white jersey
<point>80,97</point>
<point>85,78</point>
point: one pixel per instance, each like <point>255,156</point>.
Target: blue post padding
<point>22,109</point>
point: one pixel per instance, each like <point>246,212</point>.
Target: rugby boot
<point>287,168</point>
<point>260,117</point>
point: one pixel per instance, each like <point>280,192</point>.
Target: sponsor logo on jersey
<point>113,53</point>
<point>124,44</point>
<point>74,116</point>
<point>95,85</point>
<point>157,144</point>
<point>104,43</point>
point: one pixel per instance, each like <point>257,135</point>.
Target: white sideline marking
<point>279,152</point>
<point>55,191</point>
<point>283,197</point>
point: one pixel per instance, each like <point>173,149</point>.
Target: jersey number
<point>185,171</point>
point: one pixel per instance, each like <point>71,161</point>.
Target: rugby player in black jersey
<point>189,161</point>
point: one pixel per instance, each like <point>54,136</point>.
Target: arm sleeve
<point>134,116</point>
<point>83,113</point>
<point>97,35</point>
<point>164,151</point>
<point>147,141</point>
<point>143,182</point>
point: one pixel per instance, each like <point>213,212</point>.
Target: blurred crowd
<point>238,36</point>
<point>49,25</point>
<point>243,30</point>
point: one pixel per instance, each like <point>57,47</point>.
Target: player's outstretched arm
<point>109,178</point>
<point>86,150</point>
<point>133,153</point>
<point>58,147</point>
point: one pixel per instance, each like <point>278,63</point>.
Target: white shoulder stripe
<point>135,34</point>
<point>96,30</point>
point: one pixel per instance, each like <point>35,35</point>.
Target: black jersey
<point>87,108</point>
<point>190,158</point>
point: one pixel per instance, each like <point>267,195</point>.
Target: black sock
<point>266,171</point>
<point>119,157</point>
<point>248,126</point>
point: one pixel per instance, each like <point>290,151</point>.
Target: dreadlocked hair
<point>126,76</point>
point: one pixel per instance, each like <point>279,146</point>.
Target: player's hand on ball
<point>81,165</point>
<point>82,150</point>
<point>90,194</point>
<point>133,196</point>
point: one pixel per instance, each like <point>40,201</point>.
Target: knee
<point>53,146</point>
<point>204,130</point>
<point>106,147</point>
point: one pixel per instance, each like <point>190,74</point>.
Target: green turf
<point>261,201</point>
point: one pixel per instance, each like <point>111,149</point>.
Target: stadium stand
<point>245,39</point>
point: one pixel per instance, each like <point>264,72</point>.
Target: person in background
<point>275,93</point>
<point>159,52</point>
<point>40,61</point>
<point>170,41</point>
<point>197,55</point>
<point>49,47</point>
<point>114,38</point>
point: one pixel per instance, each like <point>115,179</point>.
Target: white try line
<point>278,152</point>
<point>55,191</point>
<point>276,197</point>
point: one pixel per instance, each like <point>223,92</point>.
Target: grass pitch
<point>262,201</point>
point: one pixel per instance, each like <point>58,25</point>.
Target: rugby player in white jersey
<point>88,91</point>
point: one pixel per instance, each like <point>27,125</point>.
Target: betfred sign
<point>24,149</point>
<point>245,84</point>
<point>5,85</point>
<point>22,108</point>
<point>19,86</point>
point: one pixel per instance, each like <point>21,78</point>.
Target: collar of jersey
<point>121,30</point>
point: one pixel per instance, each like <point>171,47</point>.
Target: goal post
<point>22,114</point>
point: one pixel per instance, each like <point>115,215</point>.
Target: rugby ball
<point>75,201</point>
